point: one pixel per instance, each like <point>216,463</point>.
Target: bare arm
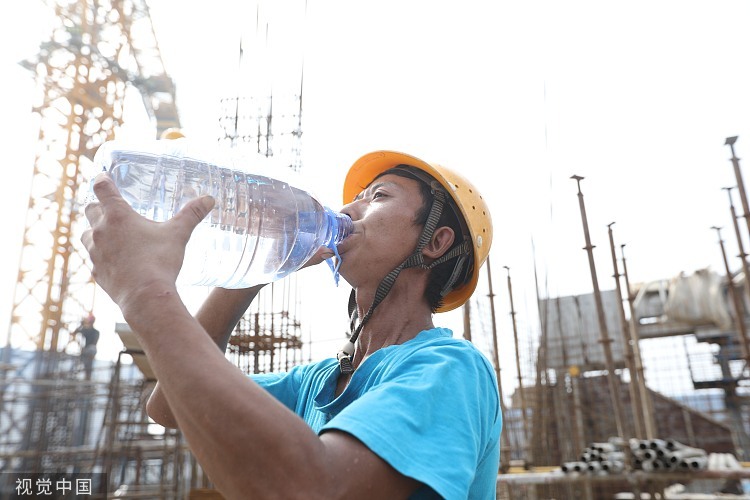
<point>218,316</point>
<point>249,444</point>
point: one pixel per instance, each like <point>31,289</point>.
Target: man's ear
<point>441,241</point>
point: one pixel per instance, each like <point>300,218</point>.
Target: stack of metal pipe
<point>650,455</point>
<point>599,458</point>
<point>723,461</point>
<point>654,455</point>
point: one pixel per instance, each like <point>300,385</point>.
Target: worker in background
<point>90,338</point>
<point>404,409</point>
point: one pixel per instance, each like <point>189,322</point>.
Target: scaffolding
<point>57,421</point>
<point>54,417</point>
<point>266,339</point>
<point>264,121</point>
<point>696,390</point>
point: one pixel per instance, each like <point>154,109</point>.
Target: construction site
<point>634,390</point>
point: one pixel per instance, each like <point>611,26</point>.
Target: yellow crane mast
<point>95,53</point>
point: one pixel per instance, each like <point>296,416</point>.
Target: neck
<point>397,319</point>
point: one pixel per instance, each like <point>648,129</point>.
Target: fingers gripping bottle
<point>260,230</point>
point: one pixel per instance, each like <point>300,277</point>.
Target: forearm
<point>232,425</point>
<point>218,316</point>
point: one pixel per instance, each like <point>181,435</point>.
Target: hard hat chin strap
<point>416,259</point>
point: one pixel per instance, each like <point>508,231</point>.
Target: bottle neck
<point>341,226</point>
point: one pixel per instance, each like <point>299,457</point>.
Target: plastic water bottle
<point>260,230</point>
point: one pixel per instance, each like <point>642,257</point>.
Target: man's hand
<point>130,252</point>
<point>319,256</point>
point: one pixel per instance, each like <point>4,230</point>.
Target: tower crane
<point>97,51</point>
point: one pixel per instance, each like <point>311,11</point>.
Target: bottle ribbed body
<point>260,230</point>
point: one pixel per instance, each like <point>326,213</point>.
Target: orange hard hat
<point>172,133</point>
<point>464,194</point>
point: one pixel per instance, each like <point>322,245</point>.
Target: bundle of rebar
<point>653,455</point>
<point>650,455</point>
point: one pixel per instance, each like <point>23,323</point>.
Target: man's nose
<point>353,210</point>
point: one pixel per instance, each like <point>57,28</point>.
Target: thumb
<point>194,212</point>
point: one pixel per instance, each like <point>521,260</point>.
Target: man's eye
<point>377,194</point>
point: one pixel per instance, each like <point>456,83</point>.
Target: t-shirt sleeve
<point>430,417</point>
<point>284,386</point>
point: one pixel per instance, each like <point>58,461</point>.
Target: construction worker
<point>90,338</point>
<point>403,411</point>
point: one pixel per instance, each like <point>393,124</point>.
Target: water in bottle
<point>260,230</point>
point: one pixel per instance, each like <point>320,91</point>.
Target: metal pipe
<point>574,466</point>
<point>673,444</point>
<point>651,465</point>
<point>603,447</point>
<point>695,463</point>
<point>504,441</point>
<point>634,477</point>
<point>590,456</point>
<point>604,334</point>
<point>740,244</point>
<point>521,392</point>
<point>683,454</point>
<point>614,456</point>
<point>649,424</point>
<point>739,318</point>
<point>613,467</point>
<point>540,429</point>
<point>467,320</point>
<point>740,184</point>
<point>594,467</point>
<point>656,443</point>
<point>635,397</point>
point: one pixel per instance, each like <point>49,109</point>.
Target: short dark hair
<point>440,274</point>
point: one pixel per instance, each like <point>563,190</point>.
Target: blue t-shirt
<point>429,407</point>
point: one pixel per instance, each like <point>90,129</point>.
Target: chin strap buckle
<point>344,357</point>
<point>345,364</point>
